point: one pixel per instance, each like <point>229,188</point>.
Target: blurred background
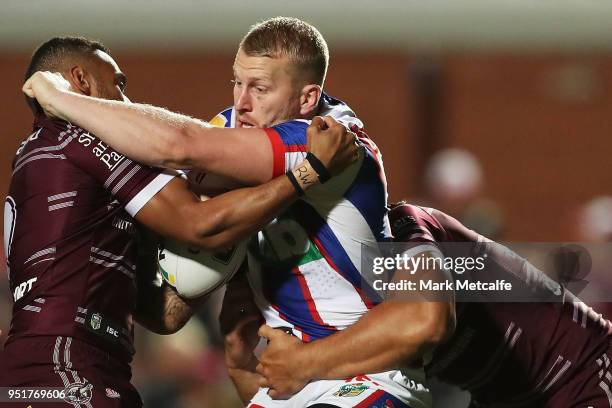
<point>498,112</point>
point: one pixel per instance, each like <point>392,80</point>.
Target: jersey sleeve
<point>288,142</point>
<point>413,225</point>
<point>131,183</point>
<point>223,119</point>
<point>409,223</point>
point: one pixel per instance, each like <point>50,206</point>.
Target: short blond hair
<point>293,38</point>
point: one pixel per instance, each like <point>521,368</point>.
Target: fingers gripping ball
<point>193,272</point>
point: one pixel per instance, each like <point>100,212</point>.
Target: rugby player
<point>546,354</point>
<point>306,277</point>
<point>70,236</point>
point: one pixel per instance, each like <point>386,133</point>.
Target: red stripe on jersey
<point>295,148</point>
<point>278,152</point>
<point>373,397</point>
<point>368,303</point>
<point>305,337</point>
<point>312,308</point>
<point>255,406</point>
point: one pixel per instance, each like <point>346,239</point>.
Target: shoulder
<point>292,132</point>
<point>223,118</point>
<point>409,222</point>
<point>295,125</point>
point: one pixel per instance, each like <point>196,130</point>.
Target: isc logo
<point>112,332</point>
<point>23,288</point>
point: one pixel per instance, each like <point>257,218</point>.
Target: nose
<point>242,101</point>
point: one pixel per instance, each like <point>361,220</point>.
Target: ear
<point>309,99</point>
<point>80,80</point>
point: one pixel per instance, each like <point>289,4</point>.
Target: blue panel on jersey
<point>228,116</point>
<point>333,251</point>
<point>282,289</point>
<point>368,195</point>
<point>292,133</point>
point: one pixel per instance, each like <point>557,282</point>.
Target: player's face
<point>108,80</point>
<point>265,92</point>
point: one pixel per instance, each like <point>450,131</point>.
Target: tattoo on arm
<point>158,306</point>
<point>176,310</point>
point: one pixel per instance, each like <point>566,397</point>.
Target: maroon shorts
<point>90,376</point>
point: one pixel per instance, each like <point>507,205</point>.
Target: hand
<point>282,365</point>
<point>239,321</point>
<point>240,344</point>
<point>45,86</point>
<point>332,143</point>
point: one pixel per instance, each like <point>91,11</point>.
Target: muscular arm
<point>219,222</point>
<point>161,138</point>
<point>406,340</point>
<point>158,306</point>
<point>160,309</point>
<point>156,136</point>
<point>393,334</point>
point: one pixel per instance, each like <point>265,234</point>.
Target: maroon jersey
<point>514,353</point>
<point>70,237</point>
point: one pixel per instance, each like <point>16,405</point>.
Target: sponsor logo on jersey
<point>283,243</point>
<point>123,224</point>
<point>351,390</point>
<point>23,288</point>
<point>30,138</point>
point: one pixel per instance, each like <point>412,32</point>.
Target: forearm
<point>246,382</point>
<point>161,310</point>
<point>220,222</point>
<point>244,211</point>
<point>384,339</point>
<point>147,134</point>
<point>158,307</point>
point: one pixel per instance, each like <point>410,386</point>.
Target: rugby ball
<point>194,272</point>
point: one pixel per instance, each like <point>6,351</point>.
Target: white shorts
<point>391,389</point>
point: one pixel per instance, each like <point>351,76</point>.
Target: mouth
<point>244,124</point>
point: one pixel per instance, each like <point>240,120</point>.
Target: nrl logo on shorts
<point>351,390</point>
<point>95,321</point>
<point>78,393</point>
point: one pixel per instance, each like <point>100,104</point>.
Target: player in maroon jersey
<point>70,238</point>
<point>546,354</point>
